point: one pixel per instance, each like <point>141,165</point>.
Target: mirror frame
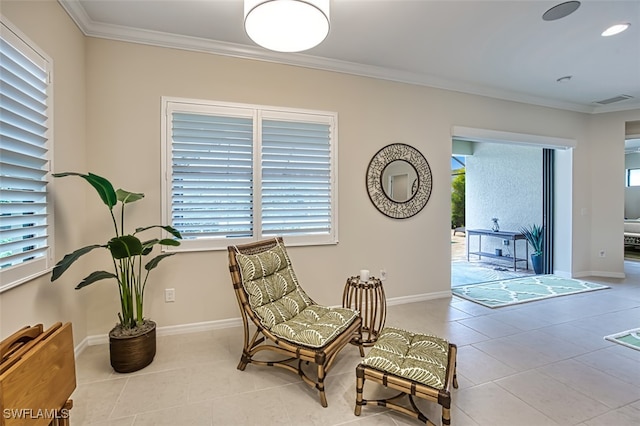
<point>375,187</point>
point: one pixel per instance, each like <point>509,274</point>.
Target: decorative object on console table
<point>132,342</point>
<point>369,299</point>
<point>535,236</point>
<point>495,227</point>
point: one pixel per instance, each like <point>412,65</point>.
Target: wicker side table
<point>368,298</point>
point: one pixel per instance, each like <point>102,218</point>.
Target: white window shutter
<point>296,178</point>
<point>237,173</point>
<point>24,161</point>
<point>212,183</point>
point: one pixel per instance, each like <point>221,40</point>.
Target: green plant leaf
<point>170,229</point>
<point>101,185</point>
<point>534,234</point>
<point>169,242</point>
<point>95,276</point>
<point>124,246</point>
<point>154,262</point>
<point>147,246</point>
<point>128,197</point>
<point>68,260</point>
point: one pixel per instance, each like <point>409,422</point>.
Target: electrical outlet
<point>169,295</point>
<point>505,242</point>
<point>383,274</point>
<point>602,253</point>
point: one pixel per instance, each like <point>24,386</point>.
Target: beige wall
<point>40,301</point>
<point>125,83</point>
<point>606,135</point>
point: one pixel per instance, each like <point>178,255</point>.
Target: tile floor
<point>535,364</point>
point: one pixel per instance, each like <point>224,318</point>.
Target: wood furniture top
<point>37,375</point>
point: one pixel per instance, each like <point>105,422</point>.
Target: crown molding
<point>92,28</point>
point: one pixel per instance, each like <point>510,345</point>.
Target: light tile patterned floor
<point>539,363</point>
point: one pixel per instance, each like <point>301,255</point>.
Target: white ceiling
<point>503,49</point>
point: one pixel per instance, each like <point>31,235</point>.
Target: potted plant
<point>132,342</point>
<point>535,236</point>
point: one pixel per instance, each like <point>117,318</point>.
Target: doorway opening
<point>632,198</point>
<point>510,178</point>
<point>503,188</point>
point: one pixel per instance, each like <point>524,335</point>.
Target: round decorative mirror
<point>399,181</point>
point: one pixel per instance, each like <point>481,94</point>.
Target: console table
<point>503,235</point>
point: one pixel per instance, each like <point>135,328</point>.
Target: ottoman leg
<point>446,416</point>
<point>359,389</point>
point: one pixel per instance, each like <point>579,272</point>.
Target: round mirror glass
<point>399,180</point>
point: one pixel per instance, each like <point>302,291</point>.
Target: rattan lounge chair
<point>288,321</point>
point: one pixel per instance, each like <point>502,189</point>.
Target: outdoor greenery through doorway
<point>457,192</point>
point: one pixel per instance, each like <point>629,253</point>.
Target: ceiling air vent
<point>614,99</point>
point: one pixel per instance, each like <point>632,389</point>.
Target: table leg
<point>468,238</point>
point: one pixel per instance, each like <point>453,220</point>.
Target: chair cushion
<point>272,287</point>
<point>315,326</point>
<point>420,358</point>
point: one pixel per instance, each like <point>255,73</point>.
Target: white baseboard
<point>80,347</point>
<point>101,339</point>
<point>418,298</point>
<point>562,274</point>
<point>602,274</point>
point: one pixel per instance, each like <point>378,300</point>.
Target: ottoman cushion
<point>421,358</point>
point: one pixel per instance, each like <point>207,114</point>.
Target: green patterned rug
<point>495,294</point>
<point>629,338</point>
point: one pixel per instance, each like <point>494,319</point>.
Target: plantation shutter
<point>296,177</point>
<point>24,162</point>
<point>212,175</point>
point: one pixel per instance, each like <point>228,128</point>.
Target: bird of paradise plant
<point>127,252</point>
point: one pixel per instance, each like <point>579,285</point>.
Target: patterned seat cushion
<point>282,306</point>
<point>315,326</point>
<point>418,357</point>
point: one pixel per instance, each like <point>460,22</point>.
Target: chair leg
<point>320,385</point>
<point>244,360</point>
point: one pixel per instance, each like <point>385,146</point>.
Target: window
<point>26,231</point>
<point>238,173</point>
<point>633,177</point>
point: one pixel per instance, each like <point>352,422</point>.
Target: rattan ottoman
<point>415,364</point>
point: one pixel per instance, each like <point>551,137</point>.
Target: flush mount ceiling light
<point>561,10</point>
<point>615,29</point>
<point>286,25</point>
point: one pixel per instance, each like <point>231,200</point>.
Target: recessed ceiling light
<point>561,10</point>
<point>564,79</point>
<point>615,29</point>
